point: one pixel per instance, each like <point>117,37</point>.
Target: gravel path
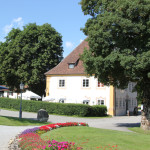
<point>120,123</point>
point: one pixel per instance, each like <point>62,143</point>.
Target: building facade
<point>68,83</point>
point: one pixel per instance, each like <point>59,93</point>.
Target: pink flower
<point>59,147</point>
<point>64,146</point>
<point>50,145</point>
<point>54,141</point>
<point>44,147</point>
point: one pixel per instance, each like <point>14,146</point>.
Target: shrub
<point>54,108</point>
<point>98,110</point>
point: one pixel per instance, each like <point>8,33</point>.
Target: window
<point>99,84</point>
<point>130,87</point>
<point>85,82</point>
<point>71,66</point>
<point>132,102</point>
<point>10,93</point>
<point>135,102</point>
<point>61,83</point>
<point>116,103</point>
<point>1,94</point>
<point>129,103</point>
<point>123,103</point>
<point>100,102</point>
<point>120,103</point>
<point>86,102</point>
<point>62,100</point>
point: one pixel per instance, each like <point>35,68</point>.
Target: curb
<point>13,143</point>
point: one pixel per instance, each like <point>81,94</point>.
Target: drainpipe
<point>115,100</point>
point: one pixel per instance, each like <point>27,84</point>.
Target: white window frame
<point>71,65</point>
<point>86,102</point>
<point>135,102</point>
<point>129,103</point>
<point>99,102</point>
<point>85,83</point>
<point>117,103</point>
<point>61,83</point>
<point>120,103</point>
<point>62,100</point>
<point>123,103</point>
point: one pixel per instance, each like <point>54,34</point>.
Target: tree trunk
<point>145,120</point>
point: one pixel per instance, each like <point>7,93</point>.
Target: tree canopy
<point>27,54</point>
<point>119,39</point>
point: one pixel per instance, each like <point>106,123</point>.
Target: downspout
<point>115,101</point>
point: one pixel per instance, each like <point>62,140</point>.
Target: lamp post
<point>127,104</point>
<point>20,112</point>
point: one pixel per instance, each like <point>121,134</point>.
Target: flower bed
<point>30,138</point>
<point>54,126</point>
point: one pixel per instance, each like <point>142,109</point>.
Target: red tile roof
<point>63,67</point>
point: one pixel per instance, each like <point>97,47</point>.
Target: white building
<point>26,95</point>
<point>68,83</point>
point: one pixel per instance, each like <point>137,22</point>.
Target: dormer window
<point>71,66</point>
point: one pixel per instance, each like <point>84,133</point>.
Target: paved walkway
<point>115,123</point>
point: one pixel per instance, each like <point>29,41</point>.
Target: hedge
<point>54,108</point>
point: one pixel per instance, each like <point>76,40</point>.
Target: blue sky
<point>65,16</point>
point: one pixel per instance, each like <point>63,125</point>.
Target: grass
<point>13,121</point>
<point>139,130</point>
<point>93,138</point>
<point>12,109</point>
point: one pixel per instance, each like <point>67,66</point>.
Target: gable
<point>73,58</point>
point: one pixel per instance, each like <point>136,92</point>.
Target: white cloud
<point>81,40</point>
<point>7,28</point>
<point>16,23</point>
<point>17,20</point>
<point>69,44</point>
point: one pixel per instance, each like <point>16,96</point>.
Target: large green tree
<point>119,39</point>
<point>27,54</point>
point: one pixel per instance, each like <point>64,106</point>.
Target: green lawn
<point>139,130</point>
<point>13,121</point>
<point>93,138</point>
